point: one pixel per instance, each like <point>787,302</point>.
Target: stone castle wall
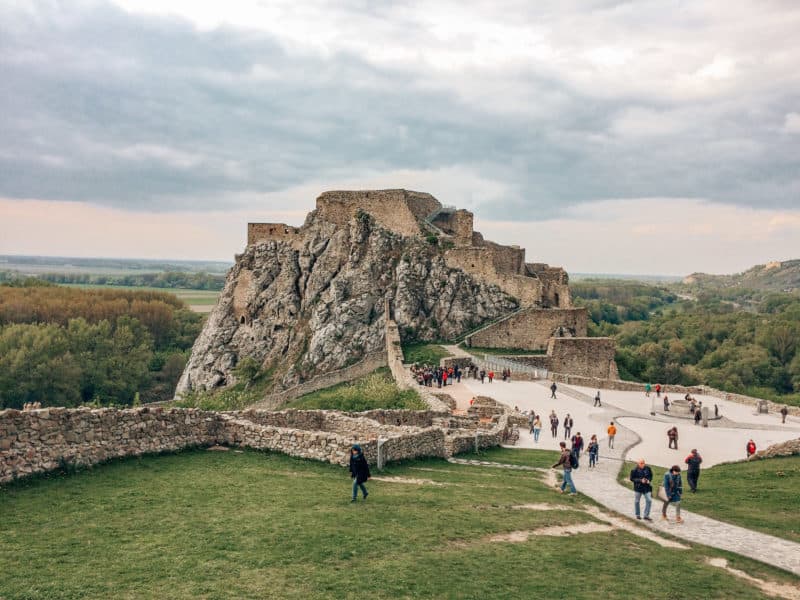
<point>589,357</point>
<point>262,232</point>
<point>458,224</point>
<point>532,328</point>
<point>396,210</point>
<point>789,448</point>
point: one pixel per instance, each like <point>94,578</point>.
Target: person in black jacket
<point>642,477</point>
<point>693,473</point>
<point>359,471</point>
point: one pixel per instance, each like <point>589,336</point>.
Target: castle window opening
<point>241,321</point>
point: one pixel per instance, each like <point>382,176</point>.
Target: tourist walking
<point>593,449</point>
<point>597,399</point>
<point>577,443</point>
<point>568,422</point>
<point>553,389</point>
<point>553,424</point>
<point>784,412</point>
<point>697,416</point>
<point>612,432</point>
<point>673,490</point>
<point>693,470</point>
<point>483,375</point>
<point>565,462</point>
<point>531,419</point>
<point>751,448</point>
<point>666,403</point>
<point>658,390</point>
<point>672,436</point>
<point>359,471</point>
<point>647,388</point>
<point>491,376</point>
<point>642,477</point>
<point>537,428</point>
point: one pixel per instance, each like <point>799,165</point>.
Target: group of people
<point>428,376</point>
<point>659,388</point>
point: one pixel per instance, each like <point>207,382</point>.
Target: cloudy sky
<point>604,136</point>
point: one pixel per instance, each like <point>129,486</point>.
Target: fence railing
<point>497,363</point>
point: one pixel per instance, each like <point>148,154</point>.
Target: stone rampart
<point>39,441</point>
<point>365,366</point>
<point>532,328</point>
<point>458,224</point>
<point>396,210</point>
<point>586,356</point>
<point>482,262</point>
<point>263,232</point>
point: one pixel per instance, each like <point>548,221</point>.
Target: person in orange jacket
<point>612,431</point>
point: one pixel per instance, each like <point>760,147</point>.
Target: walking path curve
<point>601,485</point>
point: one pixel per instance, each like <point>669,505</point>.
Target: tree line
<point>65,346</point>
<point>748,347</point>
<point>167,279</point>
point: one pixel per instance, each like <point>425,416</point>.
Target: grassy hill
<point>773,276</point>
<point>259,525</point>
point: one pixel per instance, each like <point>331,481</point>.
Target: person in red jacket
<point>751,448</point>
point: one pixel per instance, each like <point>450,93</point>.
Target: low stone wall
<point>790,448</point>
<point>38,441</point>
<point>365,366</point>
<point>41,440</point>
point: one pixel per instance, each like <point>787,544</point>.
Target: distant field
<point>201,301</point>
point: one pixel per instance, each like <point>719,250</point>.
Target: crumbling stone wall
<point>590,357</point>
<point>532,328</point>
<point>263,232</point>
<point>789,448</point>
<point>396,210</point>
<point>38,441</point>
<point>458,224</point>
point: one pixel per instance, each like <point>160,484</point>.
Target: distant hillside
<point>774,276</point>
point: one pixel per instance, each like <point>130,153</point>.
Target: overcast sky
<point>616,137</point>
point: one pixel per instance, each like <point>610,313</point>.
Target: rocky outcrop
<point>313,302</point>
<point>788,448</point>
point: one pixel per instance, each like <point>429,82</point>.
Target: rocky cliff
<point>311,300</point>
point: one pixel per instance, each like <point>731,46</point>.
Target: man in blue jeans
<point>564,461</point>
<point>642,476</point>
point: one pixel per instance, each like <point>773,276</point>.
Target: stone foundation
<point>532,328</point>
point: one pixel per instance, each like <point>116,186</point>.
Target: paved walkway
<point>601,485</point>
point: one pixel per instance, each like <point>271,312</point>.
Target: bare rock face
<point>315,303</point>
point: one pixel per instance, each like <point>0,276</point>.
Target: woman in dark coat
<point>359,471</point>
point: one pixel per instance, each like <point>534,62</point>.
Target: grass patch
<point>423,353</point>
<point>259,525</point>
<point>513,456</point>
<point>759,495</point>
<point>502,351</point>
<point>376,390</point>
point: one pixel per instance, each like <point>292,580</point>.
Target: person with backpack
<point>565,461</point>
<point>577,443</point>
<point>642,477</point>
<point>693,471</point>
<point>359,471</point>
<point>593,449</point>
<point>673,489</point>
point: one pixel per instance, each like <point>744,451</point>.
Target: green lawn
<point>761,495</point>
<point>477,351</point>
<point>259,525</point>
<point>424,353</point>
<point>376,390</point>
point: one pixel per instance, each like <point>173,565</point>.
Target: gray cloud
<point>149,113</point>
